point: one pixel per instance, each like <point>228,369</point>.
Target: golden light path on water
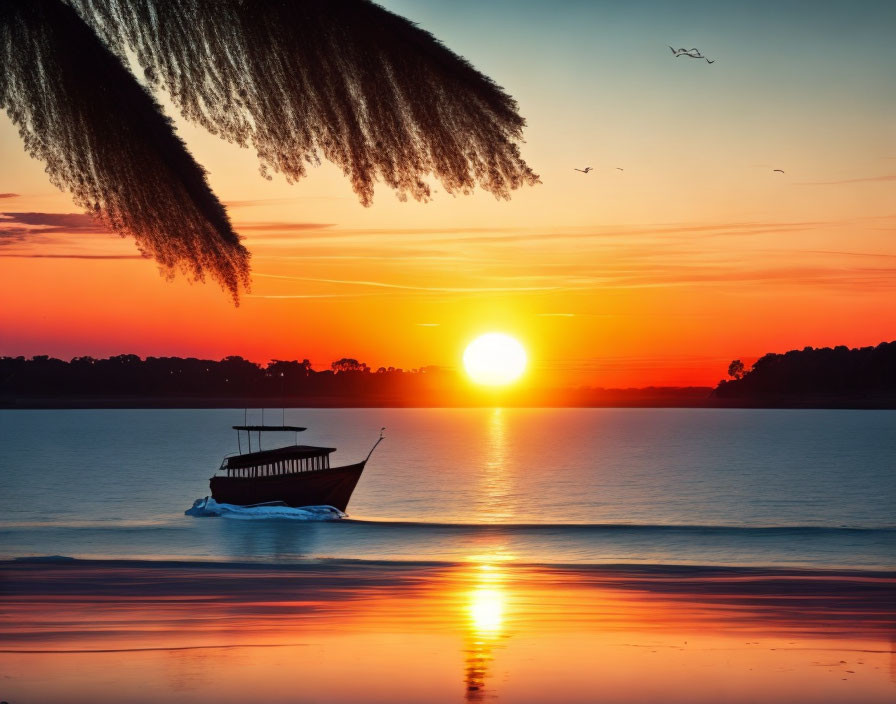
<point>496,482</point>
<point>486,601</point>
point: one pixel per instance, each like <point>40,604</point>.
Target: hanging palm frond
<point>298,80</point>
<point>344,80</point>
<point>104,138</point>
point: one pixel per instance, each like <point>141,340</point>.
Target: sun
<point>495,359</point>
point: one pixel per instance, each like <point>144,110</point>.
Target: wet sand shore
<point>487,630</point>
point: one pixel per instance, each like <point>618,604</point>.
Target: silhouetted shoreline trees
<point>128,381</point>
<point>233,376</point>
<point>826,377</point>
<point>837,371</point>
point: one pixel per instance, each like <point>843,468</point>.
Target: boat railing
<point>294,465</point>
<point>275,462</point>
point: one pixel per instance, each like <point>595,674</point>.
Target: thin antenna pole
<point>382,430</point>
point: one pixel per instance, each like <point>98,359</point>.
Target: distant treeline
<point>128,380</point>
<point>826,377</point>
<point>826,371</point>
<point>129,375</point>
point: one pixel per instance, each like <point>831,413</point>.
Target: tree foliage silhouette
<point>736,369</point>
<point>824,370</point>
<point>342,80</point>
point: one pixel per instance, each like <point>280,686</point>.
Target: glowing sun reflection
<point>486,608</point>
<point>496,483</point>
<point>487,611</point>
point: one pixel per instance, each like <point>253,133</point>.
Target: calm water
<point>669,486</point>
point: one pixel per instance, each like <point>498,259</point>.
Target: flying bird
<point>679,52</point>
<point>585,170</point>
<point>619,169</point>
<point>780,171</point>
<point>694,53</point>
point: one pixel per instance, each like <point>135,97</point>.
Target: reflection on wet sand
<point>485,625</point>
<point>346,631</point>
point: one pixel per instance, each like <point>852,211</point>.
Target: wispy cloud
<point>14,235</point>
<point>16,228</point>
<point>408,287</point>
<point>283,226</point>
<point>379,233</point>
<point>854,278</point>
<point>840,253</point>
<point>73,256</point>
<point>428,325</point>
<point>257,201</point>
<point>9,195</point>
<point>60,222</point>
<point>663,232</point>
<point>287,296</point>
<point>628,271</point>
<point>391,256</point>
<point>556,315</point>
<point>864,179</point>
<point>317,234</point>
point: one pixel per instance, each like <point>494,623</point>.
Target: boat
<point>293,475</point>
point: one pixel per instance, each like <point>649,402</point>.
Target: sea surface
<point>772,488</point>
<point>518,556</point>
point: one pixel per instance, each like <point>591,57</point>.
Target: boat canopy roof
<point>270,428</point>
<point>290,452</point>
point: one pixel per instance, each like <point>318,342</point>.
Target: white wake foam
<point>208,507</point>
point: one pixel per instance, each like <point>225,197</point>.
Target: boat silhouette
<point>294,475</point>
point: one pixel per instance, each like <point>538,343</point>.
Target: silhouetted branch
<point>104,138</point>
<point>342,79</point>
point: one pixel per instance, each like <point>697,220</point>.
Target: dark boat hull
<point>324,487</point>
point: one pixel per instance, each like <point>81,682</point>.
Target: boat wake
<point>208,507</point>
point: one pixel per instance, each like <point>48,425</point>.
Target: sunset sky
<point>697,253</point>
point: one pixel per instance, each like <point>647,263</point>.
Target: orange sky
<point>695,254</point>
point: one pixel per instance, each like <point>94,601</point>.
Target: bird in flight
<point>780,171</point>
<point>585,170</point>
<point>619,169</point>
<point>694,53</point>
<point>679,52</point>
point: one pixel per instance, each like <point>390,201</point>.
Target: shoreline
<point>683,570</point>
<point>821,402</point>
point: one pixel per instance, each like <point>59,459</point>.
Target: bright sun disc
<point>494,359</point>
